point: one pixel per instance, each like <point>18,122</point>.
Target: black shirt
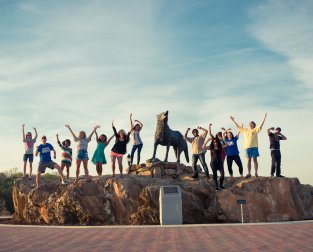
<point>274,141</point>
<point>120,146</point>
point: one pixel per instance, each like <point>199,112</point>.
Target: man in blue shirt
<point>44,151</point>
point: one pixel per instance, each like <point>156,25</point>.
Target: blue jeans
<point>135,147</point>
<point>201,157</point>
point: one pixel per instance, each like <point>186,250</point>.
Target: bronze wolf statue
<point>167,137</point>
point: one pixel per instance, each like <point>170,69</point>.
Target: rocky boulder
<point>134,199</point>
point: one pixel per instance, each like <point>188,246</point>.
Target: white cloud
<point>285,27</point>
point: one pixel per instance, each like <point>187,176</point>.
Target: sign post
<point>241,202</point>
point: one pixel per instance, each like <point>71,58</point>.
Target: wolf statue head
<point>161,123</point>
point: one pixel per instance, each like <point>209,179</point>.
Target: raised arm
<point>233,119</point>
<point>261,125</point>
<point>94,130</point>
<point>114,130</point>
<point>131,122</point>
<point>269,130</point>
<point>283,137</point>
<point>210,131</point>
<point>23,131</point>
<point>69,127</point>
<point>140,123</point>
<point>109,140</point>
<point>97,137</point>
<point>58,140</point>
<point>188,139</point>
<point>205,131</point>
<point>204,146</point>
<point>36,133</point>
<point>186,133</point>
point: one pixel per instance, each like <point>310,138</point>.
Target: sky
<point>85,63</point>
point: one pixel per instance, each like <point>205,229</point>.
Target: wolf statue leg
<point>166,155</point>
<point>154,150</point>
<point>179,151</point>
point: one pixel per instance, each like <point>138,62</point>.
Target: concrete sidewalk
<point>289,236</point>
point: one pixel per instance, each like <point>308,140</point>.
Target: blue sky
<point>86,62</point>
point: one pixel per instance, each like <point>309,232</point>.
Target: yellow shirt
<point>250,136</point>
<point>197,143</point>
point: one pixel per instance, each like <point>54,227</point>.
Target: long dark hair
<point>219,145</point>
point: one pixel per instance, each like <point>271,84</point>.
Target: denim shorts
<point>252,152</point>
<point>29,157</point>
<point>82,155</point>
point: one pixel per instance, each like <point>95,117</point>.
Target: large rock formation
<point>134,199</point>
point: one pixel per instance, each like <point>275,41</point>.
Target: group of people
<point>222,146</point>
<point>117,152</point>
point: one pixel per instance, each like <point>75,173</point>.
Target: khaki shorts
<point>43,165</point>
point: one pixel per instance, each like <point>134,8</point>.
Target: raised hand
<point>23,125</point>
<point>232,118</point>
<point>67,126</point>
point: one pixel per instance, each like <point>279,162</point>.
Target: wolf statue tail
<point>186,152</point>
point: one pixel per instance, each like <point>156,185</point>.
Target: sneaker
<point>280,176</point>
<point>217,188</point>
<point>248,176</point>
<point>222,187</point>
<point>195,175</point>
<point>63,182</point>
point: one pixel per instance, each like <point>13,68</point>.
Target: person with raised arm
<point>275,138</point>
<point>216,163</point>
<point>138,144</point>
<point>82,154</point>
<point>219,136</point>
<point>44,151</point>
<point>66,161</point>
<point>29,150</point>
<point>198,153</point>
<point>232,152</point>
<point>99,157</point>
<point>251,143</point>
<point>119,148</point>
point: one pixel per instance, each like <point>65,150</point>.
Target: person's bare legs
<point>85,163</point>
<point>67,171</point>
<point>24,168</point>
<point>99,169</point>
<point>38,179</point>
<point>78,162</point>
<point>113,158</point>
<point>30,169</point>
<point>62,168</point>
<point>256,166</point>
<point>249,166</point>
<point>56,166</point>
<point>120,164</point>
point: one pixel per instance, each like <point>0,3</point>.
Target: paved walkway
<point>291,236</point>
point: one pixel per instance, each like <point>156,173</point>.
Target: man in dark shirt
<point>275,137</point>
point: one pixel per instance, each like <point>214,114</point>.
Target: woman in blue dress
<point>99,157</point>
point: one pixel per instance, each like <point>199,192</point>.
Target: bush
<point>6,186</point>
